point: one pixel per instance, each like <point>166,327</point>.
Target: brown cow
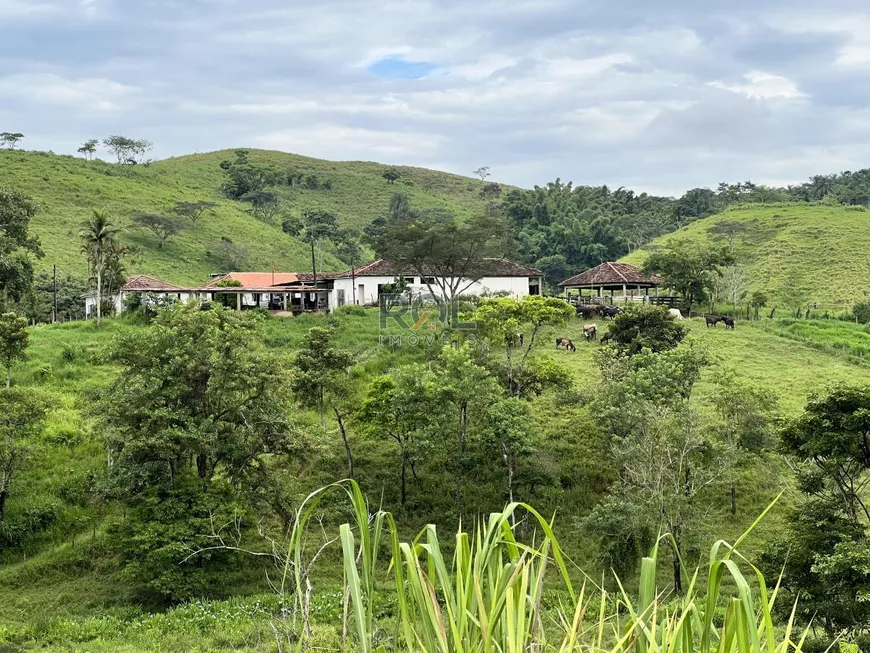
<point>566,343</point>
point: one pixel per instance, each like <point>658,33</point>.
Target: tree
<point>322,379</point>
<point>318,225</point>
<point>645,327</point>
<point>69,289</point>
<point>466,390</point>
<point>162,226</point>
<point>265,205</point>
<point>501,320</point>
<point>13,342</point>
<point>22,418</point>
<point>746,416</point>
<point>665,459</point>
<point>10,139</point>
<point>821,186</point>
<point>400,407</point>
<point>17,246</point>
<point>696,204</point>
<point>243,177</point>
<point>449,255</point>
<point>688,268</point>
<point>99,237</point>
<point>128,151</point>
<point>391,175</point>
<point>89,148</point>
<point>482,172</point>
<point>197,410</point>
<point>824,555</point>
<point>192,211</point>
<point>348,247</point>
<point>510,433</point>
<point>231,256</point>
<point>732,284</point>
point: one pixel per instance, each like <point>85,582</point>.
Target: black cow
<point>713,320</point>
<point>729,322</point>
<point>610,311</point>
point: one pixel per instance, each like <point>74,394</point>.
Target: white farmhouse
<point>492,276</point>
<point>301,292</point>
<point>141,284</point>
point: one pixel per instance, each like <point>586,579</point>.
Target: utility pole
<point>54,294</point>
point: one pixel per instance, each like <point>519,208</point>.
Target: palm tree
<point>98,234</point>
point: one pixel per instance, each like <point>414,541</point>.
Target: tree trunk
<point>8,376</point>
<point>678,579</point>
<point>99,294</point>
<point>3,495</point>
<point>202,465</point>
<point>463,426</point>
<point>733,498</point>
<point>313,265</point>
<point>404,465</point>
<point>344,440</point>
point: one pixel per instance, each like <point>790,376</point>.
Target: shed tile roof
<point>489,267</point>
<point>144,283</point>
<point>611,273</point>
<point>254,279</point>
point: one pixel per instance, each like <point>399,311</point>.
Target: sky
<point>659,96</point>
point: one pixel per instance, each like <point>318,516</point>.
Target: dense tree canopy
<point>17,245</point>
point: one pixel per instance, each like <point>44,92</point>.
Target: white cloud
<point>763,86</point>
<point>657,96</point>
<point>86,94</point>
<point>347,143</point>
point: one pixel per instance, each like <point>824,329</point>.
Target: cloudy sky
<point>657,95</point>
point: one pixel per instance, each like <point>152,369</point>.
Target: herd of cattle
<point>590,331</point>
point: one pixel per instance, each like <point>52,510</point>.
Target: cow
<point>729,322</point>
<point>675,313</point>
<point>566,343</point>
<point>610,311</point>
<point>585,312</point>
<point>606,338</point>
<point>713,320</point>
<point>512,339</point>
<point>590,332</point>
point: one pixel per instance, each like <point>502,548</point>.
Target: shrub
<point>861,312</point>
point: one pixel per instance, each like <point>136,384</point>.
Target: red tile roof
<point>144,283</point>
<point>613,274</point>
<point>489,267</point>
<point>254,280</point>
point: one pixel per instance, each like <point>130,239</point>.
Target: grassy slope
<point>795,253</point>
<point>67,188</point>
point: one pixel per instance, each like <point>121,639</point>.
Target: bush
<point>67,354</point>
<point>645,327</point>
<point>861,312</point>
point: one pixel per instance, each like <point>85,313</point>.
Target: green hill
<point>795,253</point>
<point>67,188</point>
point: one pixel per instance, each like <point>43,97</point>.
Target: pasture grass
<point>67,188</point>
<point>795,253</point>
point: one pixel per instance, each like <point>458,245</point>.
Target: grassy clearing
<point>67,188</point>
<point>795,253</point>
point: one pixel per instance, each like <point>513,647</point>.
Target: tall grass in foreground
<point>497,594</point>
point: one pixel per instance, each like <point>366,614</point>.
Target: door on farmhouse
<point>340,296</point>
<point>361,294</point>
